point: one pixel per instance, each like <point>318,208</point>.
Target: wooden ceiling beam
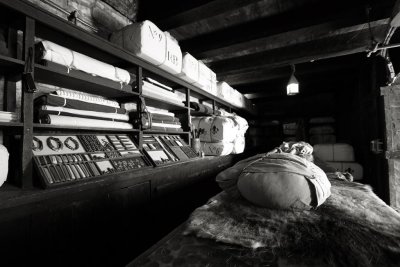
<point>267,74</point>
<point>327,16</point>
<point>345,44</point>
<point>326,30</point>
<point>221,14</point>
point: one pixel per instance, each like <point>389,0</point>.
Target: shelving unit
<point>39,23</point>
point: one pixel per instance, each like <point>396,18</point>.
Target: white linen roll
<point>71,59</point>
<point>3,164</point>
<point>82,122</point>
<point>114,116</point>
<point>57,54</point>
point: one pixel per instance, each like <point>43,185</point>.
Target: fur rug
<point>352,228</point>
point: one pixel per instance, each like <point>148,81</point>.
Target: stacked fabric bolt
<point>220,135</point>
<point>6,116</point>
<point>154,89</point>
<point>80,110</point>
<point>161,119</point>
<point>58,54</point>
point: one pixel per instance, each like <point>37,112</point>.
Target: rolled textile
<point>204,109</point>
<point>154,91</point>
<point>87,98</point>
<point>164,129</point>
<point>215,129</point>
<point>3,164</point>
<point>162,117</point>
<point>165,121</point>
<point>158,117</point>
<point>166,125</point>
<point>82,122</point>
<point>44,110</point>
<point>8,116</point>
<point>54,100</point>
<point>217,149</point>
<point>55,53</point>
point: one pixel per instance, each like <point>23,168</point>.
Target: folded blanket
<point>82,122</point>
<point>54,100</point>
<point>46,110</point>
<point>352,228</point>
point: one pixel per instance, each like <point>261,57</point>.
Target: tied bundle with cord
<point>284,178</point>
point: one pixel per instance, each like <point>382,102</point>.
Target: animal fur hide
<point>352,228</point>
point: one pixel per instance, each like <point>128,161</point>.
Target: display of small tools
<point>62,160</point>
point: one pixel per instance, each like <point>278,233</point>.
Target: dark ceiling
<point>251,43</point>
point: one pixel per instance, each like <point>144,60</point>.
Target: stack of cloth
<point>73,109</point>
<point>220,135</point>
<point>159,91</point>
<point>6,116</point>
<point>161,119</point>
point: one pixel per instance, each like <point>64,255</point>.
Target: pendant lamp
<point>292,87</point>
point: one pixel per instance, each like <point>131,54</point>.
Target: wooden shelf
<point>11,124</point>
<point>9,64</point>
<point>162,132</point>
<point>49,127</point>
<point>52,27</point>
<point>58,75</point>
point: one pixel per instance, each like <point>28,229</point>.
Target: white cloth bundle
<point>216,129</point>
<point>113,116</point>
<point>3,164</point>
<point>224,90</point>
<point>166,125</point>
<point>242,123</point>
<point>8,116</point>
<point>190,68</point>
<point>152,90</point>
<point>217,149</point>
<point>239,145</point>
<point>204,81</point>
<point>82,122</point>
<point>173,55</point>
<point>144,39</point>
<point>74,60</point>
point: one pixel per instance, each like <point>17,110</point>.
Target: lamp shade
<point>292,87</point>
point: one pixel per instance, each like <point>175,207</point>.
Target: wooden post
<point>189,118</point>
<point>27,111</point>
<point>139,74</point>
